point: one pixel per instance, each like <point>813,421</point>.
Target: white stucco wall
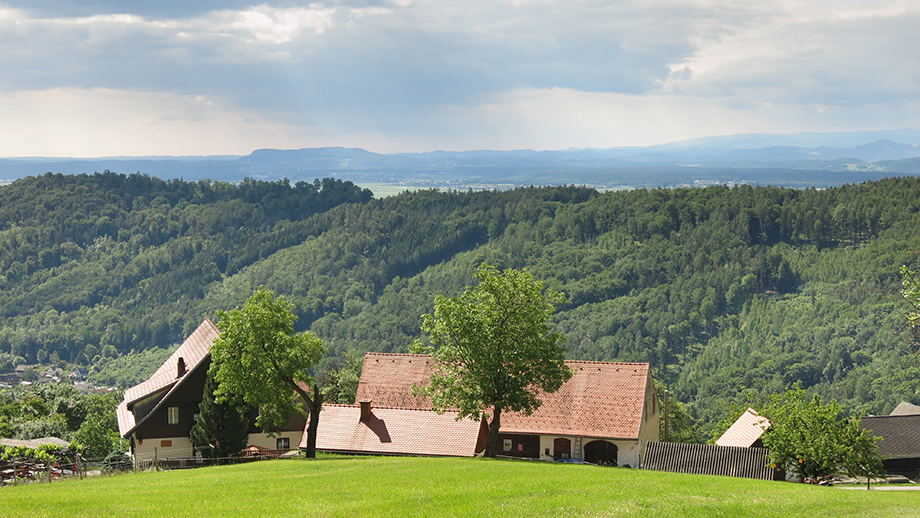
<point>264,441</point>
<point>163,447</point>
<point>628,452</point>
<point>179,447</point>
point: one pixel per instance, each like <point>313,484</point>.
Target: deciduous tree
<point>494,349</point>
<point>258,356</point>
<point>813,440</point>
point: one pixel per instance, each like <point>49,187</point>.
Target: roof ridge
<point>371,353</point>
<point>596,362</point>
<point>593,362</point>
<point>384,407</point>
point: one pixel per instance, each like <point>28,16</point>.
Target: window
<point>283,443</point>
<point>172,415</point>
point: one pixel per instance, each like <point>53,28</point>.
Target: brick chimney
<point>180,368</point>
<point>365,410</point>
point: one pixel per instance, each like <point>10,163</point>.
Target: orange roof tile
<point>395,431</point>
<point>603,399</point>
<point>387,379</point>
<point>745,431</point>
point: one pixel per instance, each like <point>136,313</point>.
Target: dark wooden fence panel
<point>708,459</point>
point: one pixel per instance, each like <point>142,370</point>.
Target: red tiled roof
<point>603,399</point>
<point>745,431</point>
<point>395,431</point>
<point>193,351</point>
<point>387,379</point>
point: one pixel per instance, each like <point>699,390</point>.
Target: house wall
<point>650,428</point>
<point>264,441</point>
<point>186,398</point>
<point>518,445</point>
<point>162,447</point>
<point>628,451</point>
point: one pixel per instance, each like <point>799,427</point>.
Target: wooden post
<point>156,464</point>
<point>667,404</point>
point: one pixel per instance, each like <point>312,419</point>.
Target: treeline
<point>108,263</point>
<point>727,292</point>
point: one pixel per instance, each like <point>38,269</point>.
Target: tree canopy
<point>814,440</point>
<point>494,349</point>
<point>259,357</point>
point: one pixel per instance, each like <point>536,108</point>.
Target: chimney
<point>180,367</point>
<point>365,410</point>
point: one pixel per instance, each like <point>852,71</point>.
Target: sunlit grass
<point>403,486</point>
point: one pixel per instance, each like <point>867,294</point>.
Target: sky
<point>166,77</point>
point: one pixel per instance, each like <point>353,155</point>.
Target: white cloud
<point>399,74</point>
<point>99,122</point>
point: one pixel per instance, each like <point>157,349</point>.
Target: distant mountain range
<point>797,160</point>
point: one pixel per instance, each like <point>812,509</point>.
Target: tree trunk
<point>492,442</point>
<point>314,405</point>
<point>314,422</point>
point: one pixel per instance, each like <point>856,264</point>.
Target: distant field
<point>383,190</point>
<point>402,486</point>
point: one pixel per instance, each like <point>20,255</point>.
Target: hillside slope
<point>726,291</point>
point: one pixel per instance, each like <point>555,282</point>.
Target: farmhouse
<point>605,414</point>
<point>157,415</point>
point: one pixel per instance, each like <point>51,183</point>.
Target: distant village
<point>26,375</point>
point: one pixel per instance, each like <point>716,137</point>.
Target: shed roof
<point>395,431</point>
<point>900,434</point>
<point>745,431</point>
<point>906,408</point>
<point>602,399</point>
<point>193,351</point>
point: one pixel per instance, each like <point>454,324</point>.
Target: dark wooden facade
<point>186,398</point>
<point>519,445</point>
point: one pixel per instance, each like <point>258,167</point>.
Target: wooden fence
<point>709,459</point>
<point>169,463</point>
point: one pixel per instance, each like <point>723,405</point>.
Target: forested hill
<point>726,291</point>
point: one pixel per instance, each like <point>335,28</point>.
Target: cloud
<point>392,71</point>
<point>84,122</point>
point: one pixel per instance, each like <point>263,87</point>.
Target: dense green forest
<point>728,292</point>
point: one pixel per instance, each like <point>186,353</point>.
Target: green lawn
<point>403,486</point>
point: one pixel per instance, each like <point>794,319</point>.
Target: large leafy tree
<point>494,349</point>
<point>814,440</point>
<point>222,428</point>
<point>258,356</point>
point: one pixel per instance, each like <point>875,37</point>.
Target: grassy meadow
<point>404,486</point>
